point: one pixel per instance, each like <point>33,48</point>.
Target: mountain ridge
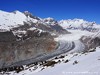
<point>79,24</point>
<point>17,18</point>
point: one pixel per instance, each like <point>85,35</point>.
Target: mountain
<point>9,20</point>
<point>76,58</point>
<point>27,43</point>
<point>16,19</point>
<point>79,24</point>
<point>23,37</point>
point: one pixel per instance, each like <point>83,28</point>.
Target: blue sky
<point>58,9</point>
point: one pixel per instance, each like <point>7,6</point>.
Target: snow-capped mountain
<point>79,24</point>
<point>28,14</point>
<point>10,20</point>
<point>26,37</point>
<point>28,42</point>
<point>50,21</point>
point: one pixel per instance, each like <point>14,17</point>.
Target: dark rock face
<point>50,24</point>
<point>59,29</point>
<point>48,28</point>
<point>12,52</point>
<point>16,47</point>
<point>7,36</point>
<point>53,24</point>
<point>90,42</point>
<point>94,42</point>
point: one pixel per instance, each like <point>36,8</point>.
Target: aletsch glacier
<point>33,39</point>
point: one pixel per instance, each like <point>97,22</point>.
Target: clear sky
<point>58,9</point>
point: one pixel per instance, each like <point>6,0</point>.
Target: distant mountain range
<point>79,24</point>
<point>10,20</point>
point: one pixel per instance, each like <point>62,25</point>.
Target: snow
<point>11,19</point>
<point>19,32</point>
<point>49,21</point>
<point>75,35</point>
<point>79,46</point>
<point>29,19</point>
<point>73,23</point>
<point>32,28</point>
<point>78,24</point>
<point>87,65</point>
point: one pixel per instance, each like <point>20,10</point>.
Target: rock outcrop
<point>26,37</point>
<point>15,52</point>
<point>90,43</point>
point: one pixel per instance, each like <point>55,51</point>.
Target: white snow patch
<point>79,24</point>
<point>32,28</point>
<point>11,19</point>
<point>75,35</point>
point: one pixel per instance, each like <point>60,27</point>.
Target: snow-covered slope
<point>79,24</point>
<point>50,21</point>
<point>87,64</point>
<point>71,64</point>
<point>11,19</point>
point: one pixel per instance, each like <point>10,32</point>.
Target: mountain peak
<point>50,21</point>
<point>78,24</point>
<point>49,18</point>
<point>11,19</point>
<point>28,14</point>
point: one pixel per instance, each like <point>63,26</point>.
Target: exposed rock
<point>22,45</point>
<point>13,52</point>
<point>50,63</point>
<point>30,15</point>
<point>7,36</point>
<point>90,43</point>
